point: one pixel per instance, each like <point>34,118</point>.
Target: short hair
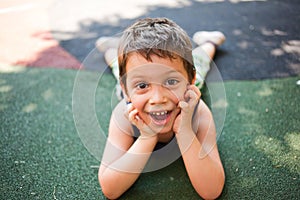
<point>156,36</point>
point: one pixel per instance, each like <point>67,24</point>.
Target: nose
<point>158,95</point>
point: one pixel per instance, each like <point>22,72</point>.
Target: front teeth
<point>159,113</point>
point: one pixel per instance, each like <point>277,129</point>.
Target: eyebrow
<point>168,74</point>
<point>168,71</point>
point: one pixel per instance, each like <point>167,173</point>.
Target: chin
<point>163,129</point>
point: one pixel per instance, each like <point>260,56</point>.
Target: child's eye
<point>142,86</point>
<point>171,82</point>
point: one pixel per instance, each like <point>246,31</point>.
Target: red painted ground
<point>25,37</point>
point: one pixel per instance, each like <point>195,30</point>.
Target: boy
<point>161,107</point>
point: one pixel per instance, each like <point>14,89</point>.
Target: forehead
<point>139,65</point>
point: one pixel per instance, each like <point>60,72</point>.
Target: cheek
<point>138,102</point>
<point>178,95</point>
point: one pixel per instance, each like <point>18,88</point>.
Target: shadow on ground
<point>262,36</point>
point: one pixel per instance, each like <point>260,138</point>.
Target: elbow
<point>213,192</point>
<point>109,194</point>
<point>211,195</point>
<point>108,189</point>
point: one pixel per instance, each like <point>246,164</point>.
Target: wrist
<point>184,130</point>
<point>185,139</point>
<point>148,137</point>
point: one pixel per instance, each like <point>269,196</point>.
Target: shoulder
<point>203,109</point>
<point>203,112</point>
<point>203,121</point>
<point>119,119</point>
<point>120,131</point>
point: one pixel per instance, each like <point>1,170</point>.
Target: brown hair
<point>156,36</point>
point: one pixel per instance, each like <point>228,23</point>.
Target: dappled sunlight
<point>248,182</point>
<point>282,154</point>
<point>295,67</point>
<point>265,91</point>
<point>290,47</point>
<point>221,103</point>
<point>253,42</point>
<point>251,127</point>
<point>3,107</point>
<point>5,88</point>
<point>243,44</point>
<point>29,108</point>
<point>240,1</point>
<point>11,69</point>
<point>237,32</point>
<point>267,32</point>
<point>245,111</point>
<point>138,8</point>
<point>48,94</point>
<point>232,1</point>
<point>209,1</point>
<point>277,52</point>
<point>109,12</point>
<point>269,145</point>
<point>293,140</point>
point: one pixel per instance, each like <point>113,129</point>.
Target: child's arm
<point>199,151</point>
<point>123,160</point>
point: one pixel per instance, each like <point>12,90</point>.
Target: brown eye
<point>142,85</point>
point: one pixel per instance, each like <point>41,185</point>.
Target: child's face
<point>155,88</point>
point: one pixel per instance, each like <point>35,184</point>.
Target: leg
<point>209,41</point>
<point>109,45</point>
<point>215,37</point>
<point>204,53</point>
<point>110,55</point>
<point>208,48</point>
<point>105,43</point>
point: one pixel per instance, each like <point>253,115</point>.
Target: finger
<point>129,108</point>
<point>192,97</point>
<point>195,89</point>
<point>194,93</point>
<point>184,106</point>
<point>132,116</point>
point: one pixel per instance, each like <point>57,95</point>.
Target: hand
<point>135,119</point>
<point>183,122</point>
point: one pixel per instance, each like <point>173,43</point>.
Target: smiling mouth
<point>161,117</point>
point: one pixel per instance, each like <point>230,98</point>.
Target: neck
<point>165,137</point>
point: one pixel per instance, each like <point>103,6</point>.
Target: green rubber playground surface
<point>43,157</point>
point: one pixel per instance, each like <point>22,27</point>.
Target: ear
<point>125,93</point>
<point>194,79</point>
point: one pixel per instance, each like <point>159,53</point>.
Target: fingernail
<point>183,104</point>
